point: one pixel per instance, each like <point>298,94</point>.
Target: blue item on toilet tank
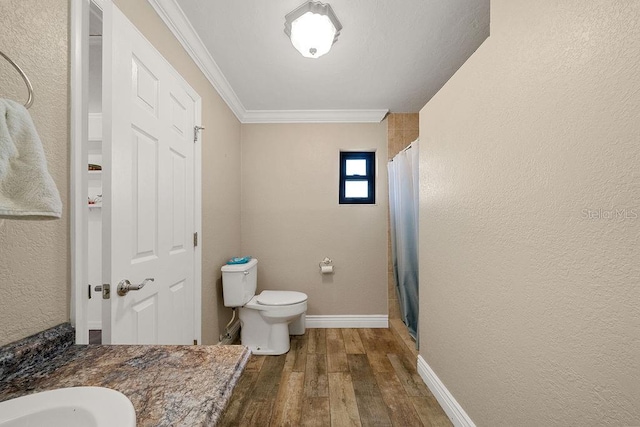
<point>239,260</point>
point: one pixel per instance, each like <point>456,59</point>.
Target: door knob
<point>125,286</point>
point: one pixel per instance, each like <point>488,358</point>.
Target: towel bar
<point>24,77</point>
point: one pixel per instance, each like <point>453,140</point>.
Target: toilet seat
<point>280,298</point>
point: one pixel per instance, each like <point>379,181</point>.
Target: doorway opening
<point>94,178</point>
<point>403,129</point>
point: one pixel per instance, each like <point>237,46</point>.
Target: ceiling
<point>390,55</point>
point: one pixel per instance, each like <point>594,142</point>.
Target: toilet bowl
<point>267,319</point>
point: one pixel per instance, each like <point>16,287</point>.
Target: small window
<point>357,177</point>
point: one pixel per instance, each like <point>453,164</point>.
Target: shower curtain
<point>403,222</point>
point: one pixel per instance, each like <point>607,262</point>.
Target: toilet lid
<point>281,297</point>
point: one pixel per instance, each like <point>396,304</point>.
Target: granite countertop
<point>168,385</point>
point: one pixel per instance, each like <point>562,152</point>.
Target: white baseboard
<point>348,321</point>
<point>234,330</point>
<point>454,411</point>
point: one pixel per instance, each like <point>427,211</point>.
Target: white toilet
<point>267,319</point>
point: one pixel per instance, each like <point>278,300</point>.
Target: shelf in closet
<point>95,205</point>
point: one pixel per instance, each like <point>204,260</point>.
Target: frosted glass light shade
<point>312,34</point>
<point>312,28</point>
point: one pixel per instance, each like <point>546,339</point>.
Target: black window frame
<point>370,177</point>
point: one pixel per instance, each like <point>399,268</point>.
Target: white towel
<point>27,191</point>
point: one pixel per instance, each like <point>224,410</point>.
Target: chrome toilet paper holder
<point>326,266</point>
<point>325,262</point>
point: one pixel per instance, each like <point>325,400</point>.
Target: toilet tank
<point>239,282</point>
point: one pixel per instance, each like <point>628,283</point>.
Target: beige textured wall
<point>220,167</point>
<point>291,218</point>
<point>34,255</point>
<point>530,312</point>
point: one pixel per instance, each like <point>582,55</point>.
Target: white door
<point>149,115</point>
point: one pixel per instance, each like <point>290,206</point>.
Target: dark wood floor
<point>335,377</point>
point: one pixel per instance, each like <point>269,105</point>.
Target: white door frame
<point>78,165</point>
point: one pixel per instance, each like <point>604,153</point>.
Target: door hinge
<point>195,239</point>
<point>196,132</point>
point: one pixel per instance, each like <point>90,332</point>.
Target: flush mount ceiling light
<point>313,28</point>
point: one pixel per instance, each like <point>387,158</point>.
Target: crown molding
<point>314,116</point>
<point>173,16</point>
<point>177,22</point>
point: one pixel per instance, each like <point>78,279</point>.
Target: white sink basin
<point>69,407</point>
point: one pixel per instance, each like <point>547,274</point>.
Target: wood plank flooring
<point>336,377</point>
